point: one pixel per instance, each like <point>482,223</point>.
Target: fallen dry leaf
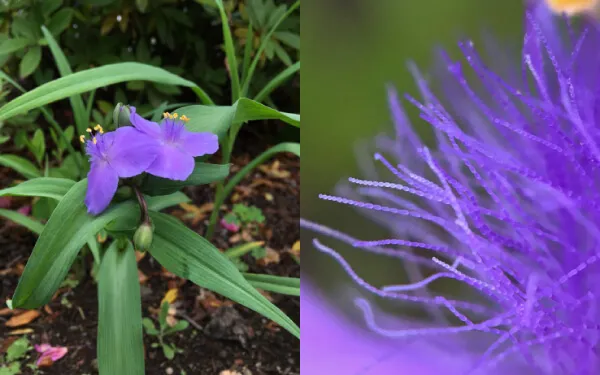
<point>23,319</point>
<point>295,250</point>
<point>229,372</point>
<point>274,170</point>
<point>272,326</point>
<point>266,294</point>
<point>48,310</point>
<point>196,213</point>
<point>22,331</point>
<point>139,255</point>
<point>269,197</point>
<point>271,257</point>
<point>6,311</point>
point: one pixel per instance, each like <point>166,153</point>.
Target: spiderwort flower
<point>124,153</point>
<point>506,203</point>
<point>179,146</point>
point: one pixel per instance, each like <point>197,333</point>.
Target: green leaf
<point>218,119</point>
<point>291,39</point>
<point>79,110</point>
<point>230,52</point>
<point>277,81</point>
<point>87,80</point>
<point>60,21</point>
<point>49,6</point>
<point>66,232</point>
<point>120,336</point>
<point>149,326</point>
<point>203,173</point>
<point>30,61</point>
<point>13,45</point>
<point>38,145</point>
<point>17,349</point>
<point>277,284</point>
<point>188,255</point>
<point>29,223</point>
<point>48,187</point>
<point>168,351</point>
<point>282,54</point>
<point>23,26</point>
<point>179,326</point>
<point>240,250</point>
<point>20,165</point>
<point>265,40</point>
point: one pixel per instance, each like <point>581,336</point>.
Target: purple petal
<point>143,125</point>
<point>132,152</point>
<point>102,186</point>
<point>198,144</point>
<point>172,163</point>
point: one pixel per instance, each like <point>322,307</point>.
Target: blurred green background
<point>352,49</point>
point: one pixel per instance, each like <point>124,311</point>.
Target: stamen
<point>94,140</point>
<point>82,138</point>
<point>89,130</point>
<point>99,129</point>
<point>184,118</point>
<point>174,115</point>
<point>166,114</point>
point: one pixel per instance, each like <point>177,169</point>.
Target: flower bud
<point>121,115</point>
<point>142,239</point>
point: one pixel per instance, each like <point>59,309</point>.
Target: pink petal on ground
<point>53,352</point>
<point>229,226</point>
<point>42,348</point>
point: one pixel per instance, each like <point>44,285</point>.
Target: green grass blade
<point>48,187</point>
<point>66,232</point>
<point>120,337</point>
<point>247,51</point>
<point>188,255</point>
<point>20,165</point>
<point>277,81</point>
<point>29,223</point>
<point>88,80</point>
<point>230,53</point>
<point>79,110</point>
<point>263,45</point>
<point>277,284</point>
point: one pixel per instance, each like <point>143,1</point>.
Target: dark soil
<point>222,335</point>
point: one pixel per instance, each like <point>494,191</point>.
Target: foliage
<point>164,330</point>
<point>9,363</point>
<point>162,38</point>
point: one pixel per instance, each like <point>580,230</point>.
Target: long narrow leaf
<point>87,80</point>
<point>79,111</point>
<point>277,81</point>
<point>188,255</point>
<point>230,52</point>
<point>48,187</point>
<point>20,165</point>
<point>66,232</point>
<point>263,45</point>
<point>120,338</point>
<point>29,223</point>
<point>277,284</point>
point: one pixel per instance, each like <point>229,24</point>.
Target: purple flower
<point>507,203</point>
<point>124,153</point>
<point>179,146</point>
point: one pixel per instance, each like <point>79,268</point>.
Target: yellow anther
<point>99,129</point>
<point>82,138</point>
<point>89,130</point>
<point>94,140</point>
<point>166,114</point>
<point>185,118</point>
<point>573,7</point>
<point>175,115</point>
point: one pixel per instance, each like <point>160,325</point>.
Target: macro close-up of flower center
<point>504,201</point>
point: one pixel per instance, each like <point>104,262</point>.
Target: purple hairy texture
<point>507,202</point>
